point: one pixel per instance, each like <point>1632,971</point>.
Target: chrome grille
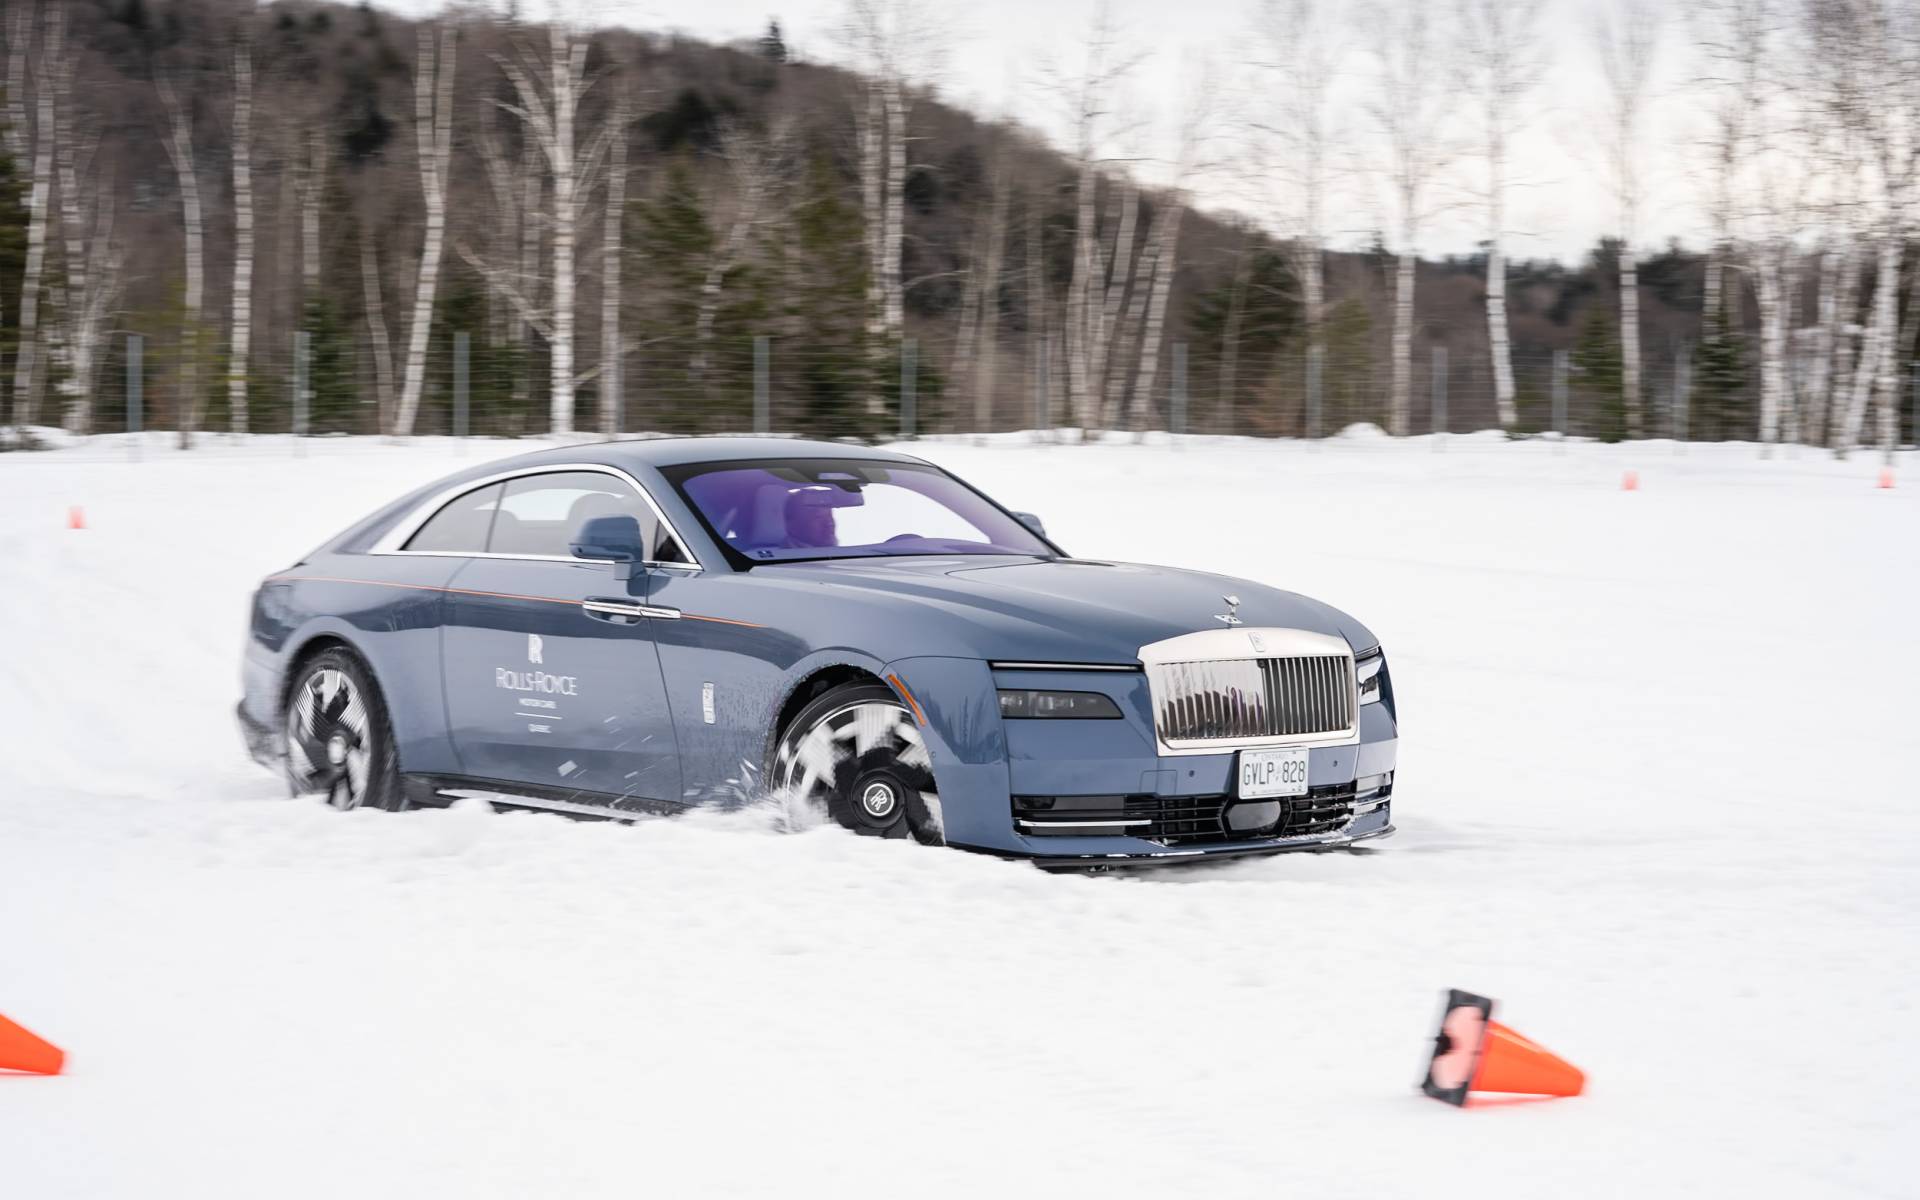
<point>1253,699</point>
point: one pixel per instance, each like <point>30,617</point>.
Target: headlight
<point>1025,703</point>
<point>1369,673</point>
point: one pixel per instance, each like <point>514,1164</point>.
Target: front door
<point>552,678</point>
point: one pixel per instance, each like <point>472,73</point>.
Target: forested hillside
<point>618,230</point>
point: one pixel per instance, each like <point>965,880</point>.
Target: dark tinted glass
<point>462,526</point>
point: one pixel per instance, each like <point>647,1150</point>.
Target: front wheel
<point>855,752</point>
<point>339,741</point>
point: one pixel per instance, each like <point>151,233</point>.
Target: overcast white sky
<point>1560,206</point>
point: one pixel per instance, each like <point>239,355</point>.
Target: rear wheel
<point>339,741</point>
<point>855,752</point>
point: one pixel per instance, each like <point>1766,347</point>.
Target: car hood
<point>1065,610</point>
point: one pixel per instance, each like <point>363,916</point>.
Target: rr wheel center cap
<point>878,799</point>
<point>337,749</point>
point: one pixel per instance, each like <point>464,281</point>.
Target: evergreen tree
<point>1600,374</point>
<point>773,47</point>
<point>1721,403</point>
<point>826,310</point>
<point>1268,324</point>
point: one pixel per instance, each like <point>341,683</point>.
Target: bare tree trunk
<point>1164,258</point>
<point>1080,395</point>
<point>894,100</point>
<point>1773,347</point>
<point>987,296</point>
<point>25,384</point>
<point>313,185</point>
<point>377,329</point>
<point>243,228</point>
<point>1400,398</point>
<point>433,140</point>
<point>1630,335</point>
<point>1875,368</point>
<point>179,147</point>
<point>1227,401</point>
<point>612,366</point>
<point>531,241</point>
<point>1497,335</point>
<point>1119,265</point>
<point>1037,305</point>
<point>873,223</point>
<point>1820,373</point>
<point>569,62</point>
<point>75,350</point>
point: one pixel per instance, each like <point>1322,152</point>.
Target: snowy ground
<point>1657,796</point>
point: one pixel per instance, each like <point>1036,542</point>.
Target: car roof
<point>678,451</point>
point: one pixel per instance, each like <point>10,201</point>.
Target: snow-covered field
<point>1658,797</point>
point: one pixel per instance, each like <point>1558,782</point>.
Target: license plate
<point>1266,773</point>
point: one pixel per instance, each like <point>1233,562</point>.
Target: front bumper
<point>1365,829</point>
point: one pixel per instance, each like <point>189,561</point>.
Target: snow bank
<point>1655,798</point>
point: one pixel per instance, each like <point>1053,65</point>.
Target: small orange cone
<point>76,517</point>
<point>1886,477</point>
<point>23,1051</point>
<point>1630,482</point>
<point>1474,1053</point>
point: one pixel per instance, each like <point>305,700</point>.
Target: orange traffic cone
<point>1630,482</point>
<point>1474,1053</point>
<point>76,518</point>
<point>1886,477</point>
<point>23,1051</point>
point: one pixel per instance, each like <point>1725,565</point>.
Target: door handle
<point>600,606</point>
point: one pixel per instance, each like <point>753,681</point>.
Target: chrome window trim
<point>1129,668</point>
<point>1238,643</point>
<point>403,530</point>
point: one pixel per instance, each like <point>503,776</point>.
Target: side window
<point>462,525</point>
<point>540,514</point>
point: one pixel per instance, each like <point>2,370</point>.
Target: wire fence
<point>474,385</point>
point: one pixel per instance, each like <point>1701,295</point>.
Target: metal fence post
<point>762,403</point>
<point>1682,393</point>
<point>135,377</point>
<point>1316,372</point>
<point>1041,416</point>
<point>1560,394</point>
<point>460,344</point>
<point>301,395</point>
<point>1177,406</point>
<point>1437,385</point>
<point>909,365</point>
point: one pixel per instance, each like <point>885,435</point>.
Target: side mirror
<point>1032,522</point>
<point>611,539</point>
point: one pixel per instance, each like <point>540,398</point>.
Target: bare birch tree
<point>433,146</point>
<point>1163,240</point>
<point>373,293</point>
<point>1865,63</point>
<point>756,167</point>
<point>242,322</point>
<point>549,110</point>
<point>1504,60</point>
<point>178,142</point>
<point>1627,36</point>
<point>612,229</point>
<point>1299,51</point>
<point>90,262</point>
<point>1410,106</point>
<point>895,44</point>
<point>25,381</point>
<point>1100,276</point>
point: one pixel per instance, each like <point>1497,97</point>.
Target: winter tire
<point>855,751</point>
<point>339,741</point>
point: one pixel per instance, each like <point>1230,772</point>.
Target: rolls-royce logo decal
<point>1230,616</point>
<point>533,649</point>
<point>1259,643</point>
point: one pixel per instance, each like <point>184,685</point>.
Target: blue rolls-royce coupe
<point>641,626</point>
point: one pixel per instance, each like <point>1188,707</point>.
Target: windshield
<point>788,509</point>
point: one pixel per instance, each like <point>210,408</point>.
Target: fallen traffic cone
<point>1630,482</point>
<point>1886,477</point>
<point>1474,1053</point>
<point>76,518</point>
<point>23,1051</point>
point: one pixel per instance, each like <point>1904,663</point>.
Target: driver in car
<point>810,519</point>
